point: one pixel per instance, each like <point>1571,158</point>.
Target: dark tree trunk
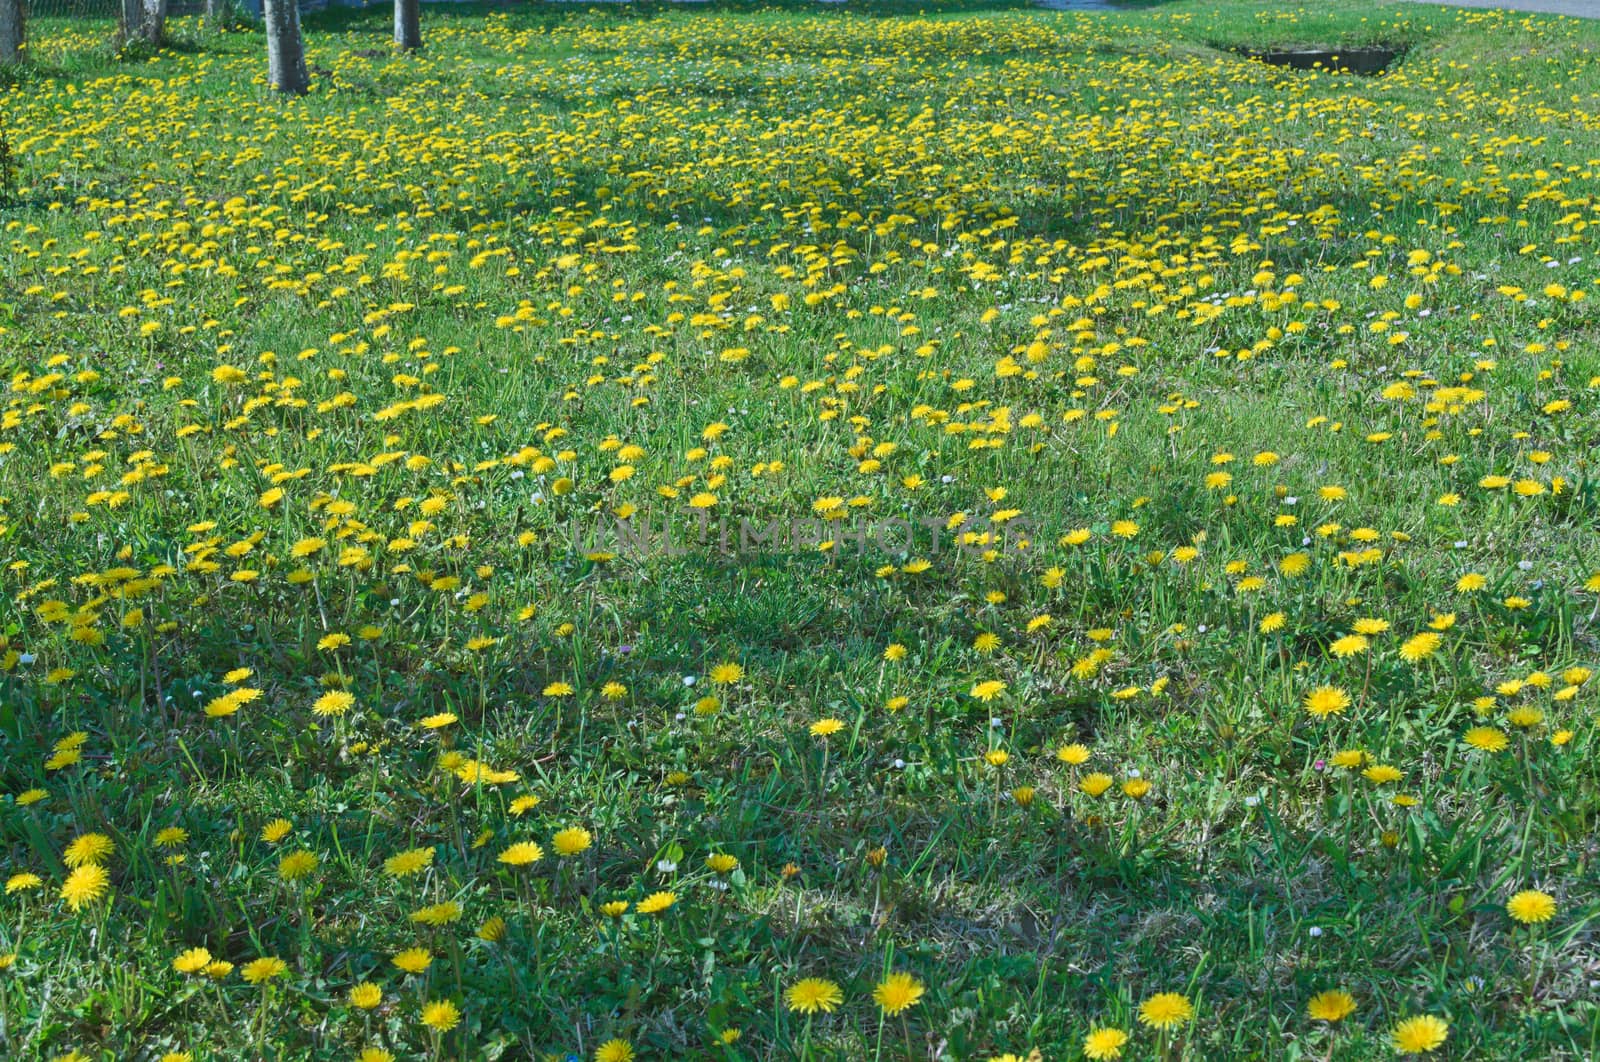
<point>13,32</point>
<point>408,24</point>
<point>286,57</point>
<point>132,19</point>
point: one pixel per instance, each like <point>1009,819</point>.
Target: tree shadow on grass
<point>374,16</point>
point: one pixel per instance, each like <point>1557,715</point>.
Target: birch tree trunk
<point>286,58</point>
<point>13,32</point>
<point>408,25</point>
<point>154,27</point>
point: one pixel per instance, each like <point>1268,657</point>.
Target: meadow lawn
<point>1184,647</point>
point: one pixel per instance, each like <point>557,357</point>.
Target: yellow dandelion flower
<point>86,884</point>
<point>813,994</point>
<point>1531,907</point>
<point>1104,1044</point>
<point>614,1051</point>
<point>1166,1010</point>
<point>365,996</point>
<point>656,902</point>
<point>1330,1006</point>
<point>522,854</point>
<point>441,1016</point>
<point>1419,1035</point>
<point>263,970</point>
<point>897,992</point>
<point>413,960</point>
<point>572,841</point>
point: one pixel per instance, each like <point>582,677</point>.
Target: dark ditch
<point>1364,62</point>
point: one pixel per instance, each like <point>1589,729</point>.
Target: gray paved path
<point>1577,8</point>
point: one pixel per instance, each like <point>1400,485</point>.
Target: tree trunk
<point>154,27</point>
<point>286,58</point>
<point>408,24</point>
<point>13,32</point>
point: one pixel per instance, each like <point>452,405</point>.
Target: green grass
<point>933,262</point>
